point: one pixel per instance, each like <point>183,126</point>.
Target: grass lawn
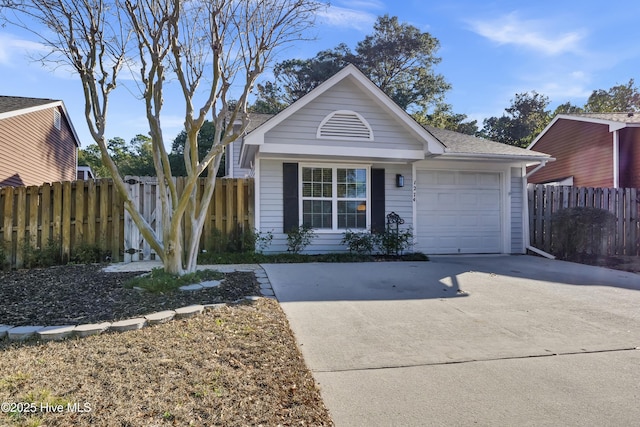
<point>235,366</point>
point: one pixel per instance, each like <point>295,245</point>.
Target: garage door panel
<point>458,212</point>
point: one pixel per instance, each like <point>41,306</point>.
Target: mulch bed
<point>80,294</point>
<point>235,366</point>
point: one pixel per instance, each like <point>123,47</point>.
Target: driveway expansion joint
<point>463,361</point>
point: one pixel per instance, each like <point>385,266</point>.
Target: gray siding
<point>302,126</point>
<point>517,206</point>
<point>236,171</point>
<point>397,200</point>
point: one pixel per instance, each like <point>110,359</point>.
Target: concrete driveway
<point>496,340</point>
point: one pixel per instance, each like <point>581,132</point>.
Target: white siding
<point>517,206</point>
<point>397,200</point>
<point>270,182</point>
<point>302,127</point>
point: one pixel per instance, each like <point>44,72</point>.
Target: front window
<point>334,198</point>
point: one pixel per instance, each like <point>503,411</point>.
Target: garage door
<point>458,212</point>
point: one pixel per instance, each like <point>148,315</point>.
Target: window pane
<point>354,183</point>
<point>306,189</point>
<point>327,190</point>
<point>316,213</point>
<point>306,174</point>
<point>352,214</point>
<point>327,175</point>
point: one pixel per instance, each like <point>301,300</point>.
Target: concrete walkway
<point>512,340</point>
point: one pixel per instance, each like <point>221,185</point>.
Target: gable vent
<point>345,124</point>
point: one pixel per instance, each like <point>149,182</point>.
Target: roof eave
<point>501,157</point>
<point>53,104</point>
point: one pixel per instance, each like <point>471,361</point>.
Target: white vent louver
<point>345,124</point>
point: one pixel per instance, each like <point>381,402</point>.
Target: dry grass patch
<point>238,365</point>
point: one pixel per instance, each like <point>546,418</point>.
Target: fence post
<point>7,238</point>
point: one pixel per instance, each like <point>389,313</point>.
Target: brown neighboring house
<point>591,150</point>
<point>37,142</point>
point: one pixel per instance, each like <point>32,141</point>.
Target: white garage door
<point>458,212</point>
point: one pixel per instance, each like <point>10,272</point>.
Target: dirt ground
<point>235,366</point>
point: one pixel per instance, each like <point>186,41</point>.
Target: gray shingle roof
<point>256,120</point>
<point>614,117</point>
<point>460,143</point>
<point>15,103</point>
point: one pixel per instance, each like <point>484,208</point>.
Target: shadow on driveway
<point>442,277</point>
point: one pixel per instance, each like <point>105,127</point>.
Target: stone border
<point>60,332</point>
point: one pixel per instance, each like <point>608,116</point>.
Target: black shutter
<point>290,196</point>
<point>377,201</point>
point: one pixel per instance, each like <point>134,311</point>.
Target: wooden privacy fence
<point>545,200</point>
<point>231,208</point>
<point>91,212</point>
<point>68,213</point>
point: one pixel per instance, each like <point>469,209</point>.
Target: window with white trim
<point>335,198</point>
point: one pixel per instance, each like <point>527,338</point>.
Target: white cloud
<point>532,34</point>
<point>347,18</point>
<point>363,4</point>
<point>13,49</point>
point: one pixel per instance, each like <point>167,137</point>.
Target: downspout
<point>527,231</point>
<point>616,159</point>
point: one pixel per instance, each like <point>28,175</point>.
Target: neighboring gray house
<point>345,155</point>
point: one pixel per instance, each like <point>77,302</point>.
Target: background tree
<point>133,158</point>
<point>525,118</point>
<point>618,99</point>
<point>397,57</point>
<point>444,117</point>
<point>206,48</point>
<point>567,108</point>
<point>206,139</point>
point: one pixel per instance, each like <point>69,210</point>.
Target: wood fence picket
<point>545,200</point>
<point>91,212</point>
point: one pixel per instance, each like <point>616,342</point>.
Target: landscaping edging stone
<point>61,332</point>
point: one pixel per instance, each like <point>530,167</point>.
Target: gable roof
<point>350,71</point>
<point>615,121</point>
<point>462,145</point>
<point>12,106</point>
<point>437,142</point>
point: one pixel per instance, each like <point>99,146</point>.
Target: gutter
<point>497,157</point>
<point>527,231</point>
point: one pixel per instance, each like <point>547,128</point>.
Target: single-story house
<point>345,156</point>
<point>38,142</point>
<point>591,150</point>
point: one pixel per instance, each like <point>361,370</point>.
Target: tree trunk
<point>172,258</point>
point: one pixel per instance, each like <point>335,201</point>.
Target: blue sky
<point>490,51</point>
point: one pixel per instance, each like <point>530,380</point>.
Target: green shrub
<point>87,253</point>
<point>580,231</point>
<point>240,240</point>
<point>359,242</point>
<point>4,253</point>
<point>50,254</point>
<point>299,238</point>
<point>391,243</point>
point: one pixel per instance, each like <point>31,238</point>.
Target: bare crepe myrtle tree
<point>205,46</point>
